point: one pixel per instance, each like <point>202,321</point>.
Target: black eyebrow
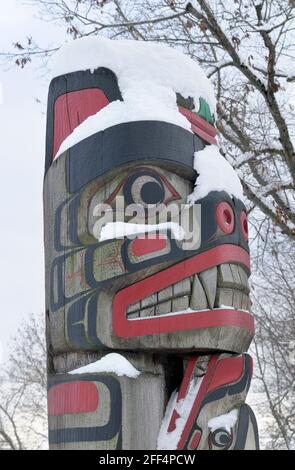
<point>149,141</point>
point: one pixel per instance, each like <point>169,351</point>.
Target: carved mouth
<point>224,286</point>
<point>205,291</point>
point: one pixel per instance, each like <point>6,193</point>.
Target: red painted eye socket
<point>225,217</point>
<point>132,188</point>
<point>244,225</point>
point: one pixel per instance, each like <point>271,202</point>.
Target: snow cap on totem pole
<point>157,84</point>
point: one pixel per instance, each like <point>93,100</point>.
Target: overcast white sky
<point>22,137</point>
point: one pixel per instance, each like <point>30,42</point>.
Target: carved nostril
<point>244,225</point>
<point>225,217</point>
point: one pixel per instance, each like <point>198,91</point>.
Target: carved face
<point>151,293</point>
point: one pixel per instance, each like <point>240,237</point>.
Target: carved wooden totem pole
<point>175,311</point>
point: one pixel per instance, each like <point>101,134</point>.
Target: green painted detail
<point>205,111</point>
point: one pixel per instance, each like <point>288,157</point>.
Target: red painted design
<point>187,377</point>
<point>115,258</point>
<point>225,217</point>
<point>174,417</point>
<point>125,328</point>
<point>145,245</point>
<point>228,370</point>
<point>194,442</point>
<point>244,225</point>
<point>174,194</point>
<point>72,109</point>
<point>200,126</point>
<point>73,397</point>
<point>80,273</point>
<point>198,400</point>
<point>183,390</point>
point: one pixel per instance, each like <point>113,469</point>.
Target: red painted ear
<point>72,109</point>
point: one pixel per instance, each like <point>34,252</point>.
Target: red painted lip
<point>125,328</point>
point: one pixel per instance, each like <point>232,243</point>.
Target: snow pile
<point>215,174</point>
<point>149,75</point>
<point>226,421</point>
<point>112,363</point>
<point>124,229</point>
<point>169,440</point>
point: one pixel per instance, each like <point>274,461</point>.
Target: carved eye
<point>147,188</point>
<point>220,438</point>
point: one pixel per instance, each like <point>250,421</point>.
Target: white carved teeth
<point>209,281</point>
<point>164,307</point>
<point>224,297</point>
<point>217,287</point>
<point>180,303</point>
<point>198,297</point>
<point>133,308</point>
<point>133,315</point>
<point>233,276</point>
<point>149,301</point>
<point>182,288</point>
<point>165,294</point>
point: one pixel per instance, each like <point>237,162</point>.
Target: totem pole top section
<point>149,78</point>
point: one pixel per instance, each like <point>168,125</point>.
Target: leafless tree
<point>246,46</point>
<point>274,307</point>
<point>23,389</point>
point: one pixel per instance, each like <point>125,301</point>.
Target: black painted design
<point>146,141</point>
<point>245,420</point>
<point>220,438</point>
<point>150,192</point>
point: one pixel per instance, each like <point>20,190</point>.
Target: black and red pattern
<point>227,380</point>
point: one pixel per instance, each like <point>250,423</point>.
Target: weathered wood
<point>209,281</point>
<point>198,298</point>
